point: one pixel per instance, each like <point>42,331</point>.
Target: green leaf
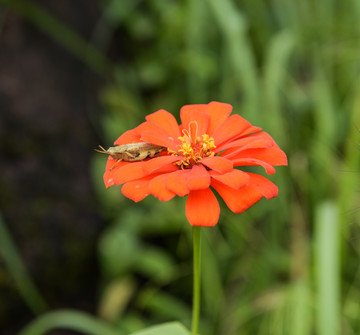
<point>156,264</point>
<point>164,304</point>
<point>171,328</point>
<point>68,319</point>
<point>115,298</point>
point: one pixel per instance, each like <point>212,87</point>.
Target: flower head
<point>203,153</point>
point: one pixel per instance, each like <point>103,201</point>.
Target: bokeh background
<point>75,74</point>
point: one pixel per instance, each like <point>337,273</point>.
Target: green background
<point>286,266</point>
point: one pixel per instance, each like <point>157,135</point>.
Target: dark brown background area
<point>46,141</point>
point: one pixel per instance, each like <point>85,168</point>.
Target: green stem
<point>16,267</point>
<point>196,286</point>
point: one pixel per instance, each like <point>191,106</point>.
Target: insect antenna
<point>102,151</point>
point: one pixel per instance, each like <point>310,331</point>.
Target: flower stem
<point>196,283</point>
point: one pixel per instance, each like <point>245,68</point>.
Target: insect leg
<point>129,154</point>
<point>117,162</point>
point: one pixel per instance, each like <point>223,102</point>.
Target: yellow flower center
<point>193,147</point>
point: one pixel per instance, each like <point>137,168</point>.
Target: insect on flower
<point>204,153</point>
<point>132,152</point>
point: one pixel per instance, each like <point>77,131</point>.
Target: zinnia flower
<point>203,153</point>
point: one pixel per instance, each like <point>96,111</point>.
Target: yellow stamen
<point>193,147</point>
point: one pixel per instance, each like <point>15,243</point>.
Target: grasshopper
<point>132,152</point>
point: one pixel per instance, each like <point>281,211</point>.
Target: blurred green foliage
<point>287,266</point>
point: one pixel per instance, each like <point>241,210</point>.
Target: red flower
<point>201,152</point>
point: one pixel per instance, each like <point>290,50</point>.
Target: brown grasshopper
<point>132,152</point>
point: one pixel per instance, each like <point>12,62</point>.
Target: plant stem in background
<point>197,278</point>
<point>17,269</point>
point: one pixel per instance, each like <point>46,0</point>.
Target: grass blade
<point>17,269</point>
<point>327,267</point>
<point>233,27</point>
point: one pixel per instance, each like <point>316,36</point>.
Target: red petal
<point>176,182</point>
<point>235,178</point>
<point>251,130</point>
<point>130,136</point>
<point>185,113</point>
<point>166,121</point>
<point>108,178</point>
<point>267,188</point>
<point>259,140</point>
<point>136,190</point>
<point>112,165</point>
<point>218,112</point>
<point>134,135</point>
<point>202,208</point>
<point>238,200</point>
<point>197,178</point>
<point>195,107</point>
<point>157,163</point>
<point>274,156</point>
<point>109,172</point>
<point>271,154</point>
<point>160,138</point>
<point>128,172</point>
<point>201,118</point>
<point>217,163</point>
<point>230,128</point>
<point>158,189</point>
<point>250,161</point>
